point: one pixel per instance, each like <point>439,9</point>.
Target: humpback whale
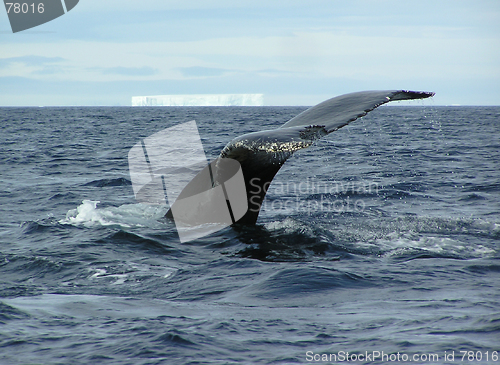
<point>261,154</point>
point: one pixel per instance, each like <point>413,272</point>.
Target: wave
<point>472,198</point>
<point>289,240</point>
<point>8,313</point>
<point>138,242</point>
<point>174,338</point>
<point>303,281</point>
<point>485,268</point>
<point>137,274</point>
<point>402,239</point>
<point>109,182</point>
<point>304,239</point>
<point>47,225</point>
<point>63,196</point>
<point>487,188</point>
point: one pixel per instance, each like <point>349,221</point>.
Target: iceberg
<point>200,100</point>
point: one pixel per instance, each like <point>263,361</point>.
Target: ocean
<point>378,244</point>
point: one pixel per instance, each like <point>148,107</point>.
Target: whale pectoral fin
<point>342,110</point>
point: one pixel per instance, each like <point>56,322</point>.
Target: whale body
<point>261,154</point>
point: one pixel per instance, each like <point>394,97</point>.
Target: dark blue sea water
<point>383,238</point>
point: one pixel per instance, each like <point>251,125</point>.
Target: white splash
<point>126,216</point>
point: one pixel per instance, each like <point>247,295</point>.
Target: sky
<point>294,52</point>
